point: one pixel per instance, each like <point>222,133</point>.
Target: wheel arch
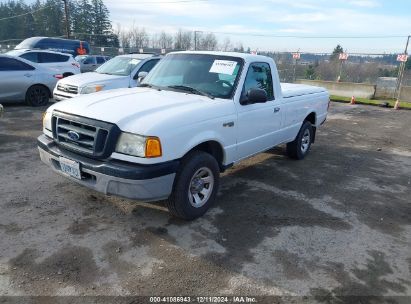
<point>41,85</point>
<point>312,118</point>
<point>214,148</point>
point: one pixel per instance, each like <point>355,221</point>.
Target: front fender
<point>201,138</point>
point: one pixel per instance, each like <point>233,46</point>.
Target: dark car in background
<point>73,47</point>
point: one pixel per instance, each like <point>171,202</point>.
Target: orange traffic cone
<point>397,105</point>
<point>352,100</point>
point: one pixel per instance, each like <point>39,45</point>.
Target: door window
<point>259,77</point>
<point>149,65</point>
<point>89,60</point>
<point>31,56</point>
<point>100,60</point>
<point>10,64</point>
<point>51,58</point>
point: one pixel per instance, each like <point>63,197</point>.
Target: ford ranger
<point>196,114</point>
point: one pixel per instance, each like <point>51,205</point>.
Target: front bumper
<point>134,181</point>
<point>60,95</point>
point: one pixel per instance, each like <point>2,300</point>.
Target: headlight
<point>137,145</point>
<point>92,88</point>
<point>47,121</point>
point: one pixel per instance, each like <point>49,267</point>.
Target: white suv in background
<point>124,71</point>
<point>64,63</point>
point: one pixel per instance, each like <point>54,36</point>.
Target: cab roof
<point>246,56</point>
<point>138,56</point>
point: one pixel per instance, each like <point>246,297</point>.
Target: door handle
<point>277,109</point>
<point>228,124</point>
<point>28,75</point>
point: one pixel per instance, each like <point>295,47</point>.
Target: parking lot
<point>335,224</point>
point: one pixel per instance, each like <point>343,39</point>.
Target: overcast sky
<point>277,17</point>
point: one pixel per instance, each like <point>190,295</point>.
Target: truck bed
<point>292,89</point>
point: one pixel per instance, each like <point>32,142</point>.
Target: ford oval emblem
<point>73,135</point>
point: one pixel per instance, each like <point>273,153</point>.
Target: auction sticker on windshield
<point>223,67</point>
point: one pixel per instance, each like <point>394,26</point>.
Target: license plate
<point>70,167</point>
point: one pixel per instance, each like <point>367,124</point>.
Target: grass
<point>371,102</point>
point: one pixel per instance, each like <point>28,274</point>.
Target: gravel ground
<point>336,224</point>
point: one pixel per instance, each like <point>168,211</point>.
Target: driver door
<point>259,124</point>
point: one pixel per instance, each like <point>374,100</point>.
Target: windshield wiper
<point>191,89</point>
<point>147,85</point>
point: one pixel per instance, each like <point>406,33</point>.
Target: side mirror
<point>141,76</point>
<point>254,96</point>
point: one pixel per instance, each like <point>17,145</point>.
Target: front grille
<point>67,88</point>
<point>83,135</point>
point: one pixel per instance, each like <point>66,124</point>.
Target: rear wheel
<point>195,186</point>
<point>300,147</point>
<point>37,95</point>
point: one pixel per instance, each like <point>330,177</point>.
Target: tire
<point>300,147</point>
<point>199,172</point>
<point>37,96</point>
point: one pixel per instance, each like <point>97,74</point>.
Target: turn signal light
<point>153,147</point>
<point>99,88</point>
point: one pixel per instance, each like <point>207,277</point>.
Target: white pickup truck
<point>197,114</point>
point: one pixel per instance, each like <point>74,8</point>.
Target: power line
<point>35,11</point>
<point>284,36</point>
<point>310,37</point>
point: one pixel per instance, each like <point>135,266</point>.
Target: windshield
<point>211,75</point>
<point>122,66</point>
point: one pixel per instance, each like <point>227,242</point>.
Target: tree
<point>139,37</point>
<point>336,53</point>
<point>310,72</point>
<point>124,37</point>
<point>101,28</point>
<point>239,47</point>
<point>207,42</point>
<point>89,20</point>
<point>165,41</point>
<point>81,19</point>
<point>182,40</point>
<point>226,45</point>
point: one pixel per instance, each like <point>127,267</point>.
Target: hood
<point>141,110</point>
<point>81,80</point>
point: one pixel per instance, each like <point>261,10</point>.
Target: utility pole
<point>297,55</point>
<point>195,39</point>
<point>401,75</point>
<point>67,19</point>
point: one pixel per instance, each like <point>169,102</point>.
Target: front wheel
<point>37,95</point>
<point>195,186</point>
<point>300,147</point>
